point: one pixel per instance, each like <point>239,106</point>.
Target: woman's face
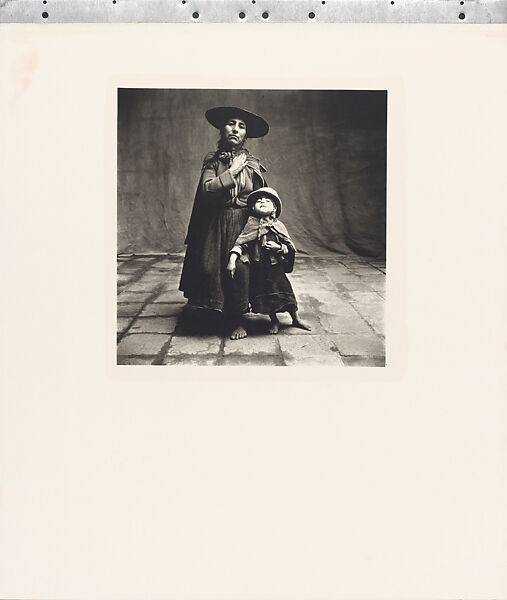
<point>264,206</point>
<point>234,132</point>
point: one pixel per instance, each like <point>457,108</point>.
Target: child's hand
<point>273,246</point>
<point>231,266</point>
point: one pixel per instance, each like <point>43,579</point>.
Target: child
<point>265,249</point>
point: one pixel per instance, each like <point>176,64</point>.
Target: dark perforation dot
<point>311,15</point>
<point>242,15</point>
<point>461,16</point>
<point>265,15</point>
<point>44,1</point>
<point>323,1</point>
<point>45,15</point>
<point>195,15</point>
<point>253,1</point>
<point>114,1</point>
<point>392,1</point>
<point>462,3</point>
<point>183,1</point>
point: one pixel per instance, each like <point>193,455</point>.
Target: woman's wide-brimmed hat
<point>256,126</point>
<point>265,191</point>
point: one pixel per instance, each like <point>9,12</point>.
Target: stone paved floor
<point>342,298</point>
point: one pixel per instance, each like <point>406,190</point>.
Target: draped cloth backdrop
<point>325,154</point>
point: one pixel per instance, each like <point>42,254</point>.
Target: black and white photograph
<point>251,227</point>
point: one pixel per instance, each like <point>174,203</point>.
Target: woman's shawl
<point>207,205</point>
<point>256,229</point>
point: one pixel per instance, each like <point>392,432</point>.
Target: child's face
<point>264,206</point>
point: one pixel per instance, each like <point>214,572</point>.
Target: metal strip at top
<point>257,11</point>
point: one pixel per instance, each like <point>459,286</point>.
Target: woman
<point>219,213</point>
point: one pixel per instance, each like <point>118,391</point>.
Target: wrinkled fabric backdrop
<point>325,154</point>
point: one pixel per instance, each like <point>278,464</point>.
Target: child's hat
<point>265,191</point>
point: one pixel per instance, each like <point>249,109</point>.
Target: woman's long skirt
<point>204,279</point>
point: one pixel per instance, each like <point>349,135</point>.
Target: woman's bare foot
<point>274,326</point>
<point>239,332</point>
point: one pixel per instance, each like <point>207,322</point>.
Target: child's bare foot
<point>274,326</point>
<point>239,332</point>
<point>297,322</point>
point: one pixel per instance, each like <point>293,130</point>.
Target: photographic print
<point>251,227</point>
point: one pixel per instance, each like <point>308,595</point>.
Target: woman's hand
<point>273,246</point>
<point>238,164</point>
<point>231,265</point>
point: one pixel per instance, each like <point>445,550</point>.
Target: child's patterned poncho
<point>260,230</point>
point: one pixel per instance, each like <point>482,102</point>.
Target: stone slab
<point>129,268</point>
<point>309,350</point>
<point>154,325</point>
<point>371,278</point>
<point>346,278</point>
<point>363,361</point>
<point>339,308</point>
<point>304,261</point>
<point>359,345</point>
<point>170,296</point>
<point>122,279</point>
<point>312,277</point>
<point>267,344</point>
<point>371,311</point>
<point>340,324</point>
<point>364,269</point>
<point>321,294</point>
<point>133,296</point>
<point>162,310</point>
<point>314,288</point>
<point>193,345</point>
<point>378,286</point>
<point>337,273</point>
<point>365,297</point>
<point>191,360</point>
<point>322,261</point>
<point>134,360</point>
<point>328,291</point>
<point>380,269</point>
<point>307,298</point>
<point>253,360</point>
<point>129,309</point>
<point>141,344</point>
<point>356,287</point>
<point>154,277</point>
<point>306,304</point>
<point>171,287</point>
<point>310,318</point>
<point>168,271</point>
<point>122,323</point>
<point>142,286</point>
<point>377,283</point>
<point>377,325</point>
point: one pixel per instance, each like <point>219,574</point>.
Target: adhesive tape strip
<point>248,11</point>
